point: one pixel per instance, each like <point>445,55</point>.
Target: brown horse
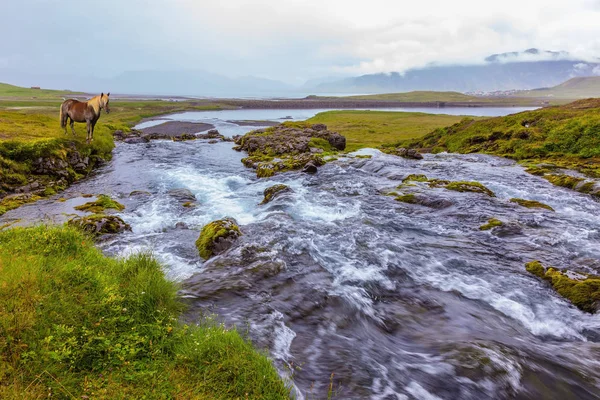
<point>88,112</point>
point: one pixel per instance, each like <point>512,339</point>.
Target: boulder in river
<point>100,224</point>
<point>583,290</point>
<point>407,153</point>
<point>217,237</point>
<point>531,204</point>
<point>182,194</point>
<point>271,192</point>
<point>464,186</point>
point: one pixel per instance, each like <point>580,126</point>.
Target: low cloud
<point>290,40</point>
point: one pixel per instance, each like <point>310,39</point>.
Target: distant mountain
<point>193,83</point>
<point>529,69</point>
<point>184,83</point>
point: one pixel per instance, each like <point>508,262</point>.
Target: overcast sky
<point>290,40</point>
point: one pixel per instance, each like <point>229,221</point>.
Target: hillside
<point>414,96</point>
<point>568,135</point>
<point>16,92</point>
<point>575,88</point>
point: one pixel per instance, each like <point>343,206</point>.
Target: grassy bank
<point>375,128</point>
<point>75,323</point>
<point>30,130</point>
<point>567,136</point>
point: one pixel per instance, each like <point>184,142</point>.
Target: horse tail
<point>63,121</point>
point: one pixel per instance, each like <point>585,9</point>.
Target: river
<point>396,300</point>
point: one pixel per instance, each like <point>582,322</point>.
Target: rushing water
<point>398,301</point>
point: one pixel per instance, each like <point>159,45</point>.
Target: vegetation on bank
<point>30,132</point>
<point>76,324</point>
<point>565,136</point>
<point>583,290</point>
<point>376,128</point>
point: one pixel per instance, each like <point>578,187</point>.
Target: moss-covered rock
<point>13,201</point>
<point>583,290</point>
<point>492,223</point>
<point>567,181</point>
<point>407,198</point>
<point>415,178</point>
<point>435,183</point>
<point>217,236</point>
<point>103,202</point>
<point>99,224</point>
<point>464,186</point>
<point>273,191</point>
<point>531,204</point>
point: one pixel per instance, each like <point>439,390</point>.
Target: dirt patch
<point>176,128</point>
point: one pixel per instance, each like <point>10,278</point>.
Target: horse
<point>88,112</point>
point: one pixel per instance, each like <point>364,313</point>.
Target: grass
<point>76,324</point>
<point>375,128</point>
<point>425,96</point>
<point>567,136</point>
<point>30,129</point>
<point>11,91</point>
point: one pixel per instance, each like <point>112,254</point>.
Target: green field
<point>16,92</point>
<point>375,128</point>
<point>75,324</point>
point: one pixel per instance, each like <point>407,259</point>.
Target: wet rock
<point>464,186</point>
<point>213,141</point>
<point>183,195</point>
<point>136,140</point>
<point>310,168</point>
<point>407,153</point>
<point>136,193</point>
<point>100,224</point>
<point>119,135</point>
<point>582,290</point>
<point>271,192</point>
<point>213,134</point>
<point>181,225</point>
<point>217,237</point>
<point>531,204</point>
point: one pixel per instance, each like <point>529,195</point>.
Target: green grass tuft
<point>75,323</point>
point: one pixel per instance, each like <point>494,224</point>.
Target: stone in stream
<point>271,192</point>
<point>310,168</point>
<point>217,237</point>
<point>99,224</point>
<point>181,194</point>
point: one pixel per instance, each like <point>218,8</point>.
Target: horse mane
<point>94,102</point>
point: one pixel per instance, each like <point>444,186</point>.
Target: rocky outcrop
<point>100,224</point>
<point>289,146</point>
<point>217,237</point>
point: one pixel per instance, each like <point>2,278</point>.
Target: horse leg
<point>92,132</point>
<point>72,126</point>
<point>89,130</point>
